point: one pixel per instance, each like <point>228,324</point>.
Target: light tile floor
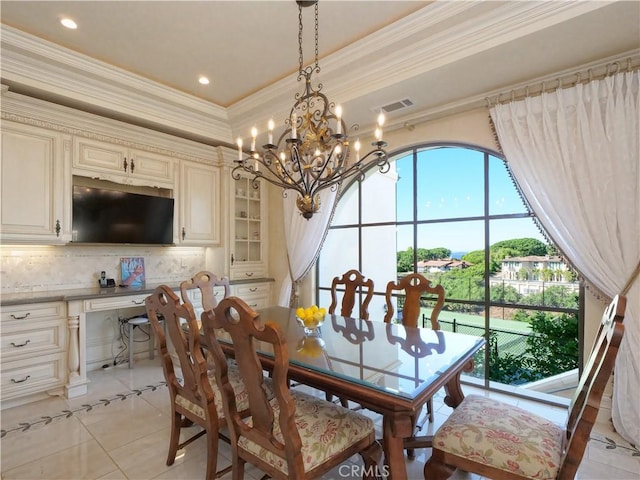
<point>120,430</point>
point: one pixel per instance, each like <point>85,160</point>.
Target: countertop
<point>86,293</point>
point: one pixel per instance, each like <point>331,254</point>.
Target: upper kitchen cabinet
<point>248,222</point>
<point>199,204</point>
<point>121,164</point>
<point>36,185</point>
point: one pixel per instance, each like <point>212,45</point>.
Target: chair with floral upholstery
<point>497,440</point>
<point>290,435</point>
<point>353,283</point>
<point>196,399</point>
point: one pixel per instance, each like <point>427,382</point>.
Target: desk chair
<point>195,399</point>
<point>290,435</point>
<point>132,323</point>
<point>413,286</point>
<point>475,435</point>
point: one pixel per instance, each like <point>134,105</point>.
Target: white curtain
<point>303,239</point>
<point>575,153</point>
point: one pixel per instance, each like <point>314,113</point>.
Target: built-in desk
<point>41,356</point>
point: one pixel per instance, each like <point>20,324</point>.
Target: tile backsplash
<point>41,268</point>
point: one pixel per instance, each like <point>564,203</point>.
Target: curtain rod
<point>597,72</point>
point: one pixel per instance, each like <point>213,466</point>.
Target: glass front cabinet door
<point>248,230</point>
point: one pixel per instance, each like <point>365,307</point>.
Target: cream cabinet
<point>33,349</point>
<point>257,295</point>
<point>36,185</point>
<point>248,229</point>
<point>121,164</point>
<point>199,219</point>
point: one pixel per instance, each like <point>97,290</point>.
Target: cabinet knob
<point>133,166</point>
<point>249,274</point>
<point>253,289</point>
<point>232,259</point>
<point>58,228</point>
<point>137,303</point>
<point>125,164</point>
<point>18,345</point>
<point>184,234</point>
<point>20,318</point>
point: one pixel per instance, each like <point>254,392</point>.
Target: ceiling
<point>442,56</point>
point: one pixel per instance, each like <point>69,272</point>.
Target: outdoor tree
<point>523,247</point>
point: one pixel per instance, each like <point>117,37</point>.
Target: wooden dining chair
<point>413,286</point>
<point>196,399</point>
<point>209,286</point>
<point>290,435</point>
<point>498,440</point>
<point>353,283</point>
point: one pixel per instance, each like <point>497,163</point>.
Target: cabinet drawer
<point>247,271</point>
<point>252,289</point>
<point>113,303</point>
<point>33,311</point>
<point>29,337</point>
<point>255,294</point>
<point>32,375</point>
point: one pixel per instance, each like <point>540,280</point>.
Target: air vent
<point>395,106</point>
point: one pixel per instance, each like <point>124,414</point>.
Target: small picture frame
<point>132,272</point>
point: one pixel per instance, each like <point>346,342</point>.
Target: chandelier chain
<point>316,65</point>
<point>314,152</point>
<point>300,57</point>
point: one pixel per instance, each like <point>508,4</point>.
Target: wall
<point>39,268</point>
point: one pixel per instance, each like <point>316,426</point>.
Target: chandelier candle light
<point>314,151</point>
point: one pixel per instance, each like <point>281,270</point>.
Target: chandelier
<point>314,152</point>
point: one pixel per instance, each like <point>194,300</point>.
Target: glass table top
<point>398,360</point>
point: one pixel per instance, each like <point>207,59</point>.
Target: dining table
<point>385,367</point>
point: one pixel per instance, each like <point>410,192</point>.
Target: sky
<point>451,185</point>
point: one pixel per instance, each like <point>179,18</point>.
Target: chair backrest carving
<point>206,282</point>
<point>414,286</point>
<point>244,326</point>
<point>354,283</point>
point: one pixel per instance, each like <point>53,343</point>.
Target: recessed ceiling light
<point>203,80</point>
<point>67,22</point>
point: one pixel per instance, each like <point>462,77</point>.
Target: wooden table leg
<point>394,430</point>
<point>453,389</point>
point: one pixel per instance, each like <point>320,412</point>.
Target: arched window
<point>453,213</point>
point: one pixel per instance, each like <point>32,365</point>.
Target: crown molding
<point>397,58</point>
<point>42,65</point>
<point>437,35</point>
<point>68,121</point>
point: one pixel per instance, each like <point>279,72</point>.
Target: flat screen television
<point>111,216</point>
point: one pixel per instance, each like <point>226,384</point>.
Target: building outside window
<point>453,213</point>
